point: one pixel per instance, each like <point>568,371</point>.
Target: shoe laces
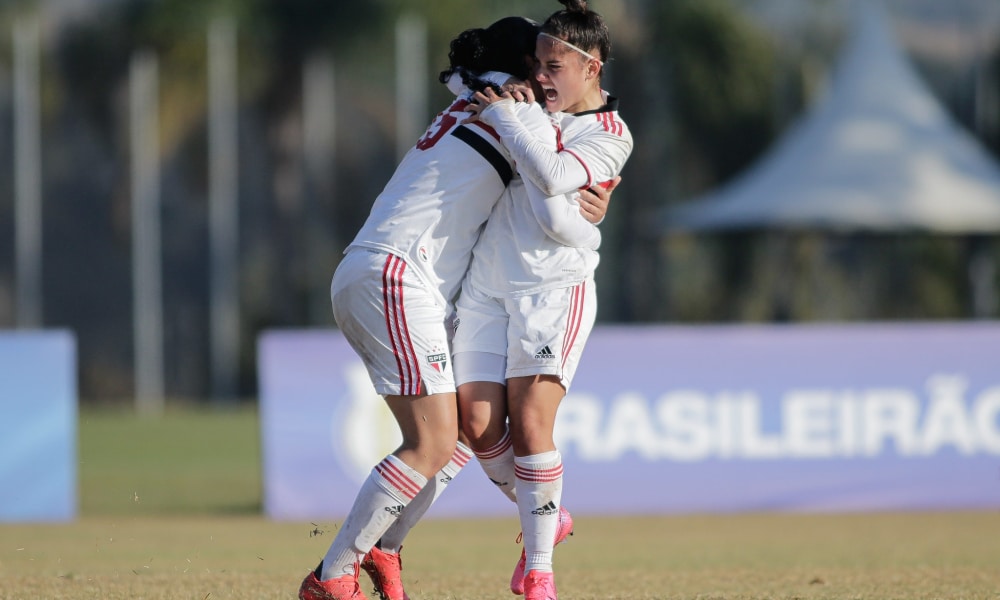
<point>562,522</point>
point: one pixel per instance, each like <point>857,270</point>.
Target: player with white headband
<point>393,295</point>
<point>529,303</point>
<point>586,54</point>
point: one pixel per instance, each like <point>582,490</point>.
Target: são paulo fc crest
<point>422,253</point>
<point>439,361</point>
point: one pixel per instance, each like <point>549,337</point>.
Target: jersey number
<point>442,124</point>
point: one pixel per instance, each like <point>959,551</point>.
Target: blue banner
<point>38,425</point>
<point>673,419</point>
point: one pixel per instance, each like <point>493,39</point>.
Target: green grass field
<point>170,509</point>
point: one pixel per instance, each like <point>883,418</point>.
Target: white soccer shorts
<point>541,334</point>
<point>394,322</point>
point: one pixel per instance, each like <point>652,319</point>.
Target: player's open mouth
<point>551,95</point>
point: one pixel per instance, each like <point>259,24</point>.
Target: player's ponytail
<point>574,5</point>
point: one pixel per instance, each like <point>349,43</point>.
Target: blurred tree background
<point>707,86</point>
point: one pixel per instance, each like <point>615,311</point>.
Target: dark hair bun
<point>503,47</point>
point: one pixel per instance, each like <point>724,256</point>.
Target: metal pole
<point>27,175</point>
<point>411,81</point>
<point>146,247</point>
<point>982,273</point>
<point>223,211</point>
<point>319,151</point>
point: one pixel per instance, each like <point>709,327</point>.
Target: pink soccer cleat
<point>384,569</point>
<point>539,585</point>
<point>339,588</point>
<point>563,531</point>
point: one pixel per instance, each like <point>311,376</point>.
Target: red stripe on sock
<point>538,475</point>
<point>496,450</point>
<point>398,479</point>
<point>460,457</point>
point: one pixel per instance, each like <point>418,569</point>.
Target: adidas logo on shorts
<point>545,352</point>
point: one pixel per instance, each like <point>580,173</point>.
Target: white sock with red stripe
<point>390,486</point>
<point>539,494</point>
<point>392,539</point>
<point>498,464</point>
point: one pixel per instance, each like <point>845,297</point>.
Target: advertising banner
<point>676,419</point>
<point>38,414</point>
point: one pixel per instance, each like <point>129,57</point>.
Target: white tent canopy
<point>878,153</point>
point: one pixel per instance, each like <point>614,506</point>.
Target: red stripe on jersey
<point>395,321</point>
<point>487,129</point>
<point>538,475</point>
<point>610,124</point>
<point>397,478</point>
<point>573,321</point>
<point>561,148</point>
<point>590,176</point>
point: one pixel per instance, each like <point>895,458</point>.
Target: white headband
<point>572,47</point>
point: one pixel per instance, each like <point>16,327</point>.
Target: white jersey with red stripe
<point>517,254</point>
<point>433,208</point>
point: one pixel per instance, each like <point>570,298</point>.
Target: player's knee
<point>482,433</point>
<point>531,437</point>
<point>443,451</point>
<point>428,454</point>
<point>473,427</point>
